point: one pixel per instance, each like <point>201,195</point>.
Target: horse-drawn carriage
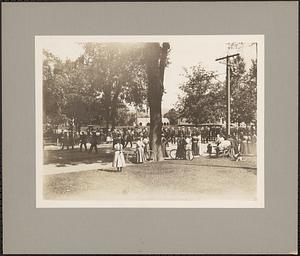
<point>226,148</point>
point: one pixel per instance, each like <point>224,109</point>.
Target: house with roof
<point>145,121</point>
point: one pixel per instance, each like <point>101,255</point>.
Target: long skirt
<point>200,149</point>
<point>164,150</point>
<point>140,155</point>
<point>252,148</point>
<point>248,148</point>
<point>119,159</point>
<point>195,148</point>
<point>180,153</point>
<point>243,148</point>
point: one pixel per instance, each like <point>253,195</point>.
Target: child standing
<point>119,159</point>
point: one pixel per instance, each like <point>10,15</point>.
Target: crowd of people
<point>242,140</point>
<point>130,134</point>
<point>184,137</point>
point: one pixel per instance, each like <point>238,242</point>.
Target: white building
<point>145,121</point>
<point>183,122</point>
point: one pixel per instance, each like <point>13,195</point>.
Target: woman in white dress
<point>108,137</point>
<point>188,145</point>
<point>119,159</point>
<point>140,156</point>
<point>199,143</point>
<point>146,145</point>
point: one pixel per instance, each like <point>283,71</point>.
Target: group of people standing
<point>69,139</point>
<point>142,148</point>
<point>97,136</point>
<point>190,143</point>
<point>184,138</point>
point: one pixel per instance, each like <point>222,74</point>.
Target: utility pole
<point>228,89</point>
<point>136,116</point>
<point>256,61</point>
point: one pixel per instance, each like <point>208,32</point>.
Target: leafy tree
<point>125,117</point>
<point>203,98</point>
<point>106,78</point>
<point>54,84</point>
<point>114,70</point>
<point>81,97</point>
<point>243,92</point>
<point>243,86</point>
<point>172,115</point>
<point>67,94</point>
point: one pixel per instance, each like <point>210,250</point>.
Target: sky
<point>186,51</point>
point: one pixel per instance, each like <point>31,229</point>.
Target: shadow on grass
<point>176,162</point>
<point>108,170</point>
<point>75,157</point>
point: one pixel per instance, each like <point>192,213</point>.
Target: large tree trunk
<point>107,107</point>
<point>113,115</point>
<point>114,107</point>
<point>107,117</point>
<point>155,64</point>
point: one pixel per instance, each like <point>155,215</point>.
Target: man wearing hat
<point>83,141</point>
<point>94,142</point>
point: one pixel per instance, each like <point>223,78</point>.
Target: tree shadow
<point>180,162</point>
<point>108,170</point>
<point>74,157</point>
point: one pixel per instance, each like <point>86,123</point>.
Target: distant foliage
<point>204,96</point>
<point>173,116</point>
<point>243,92</point>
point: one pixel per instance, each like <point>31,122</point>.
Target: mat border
<point>111,230</point>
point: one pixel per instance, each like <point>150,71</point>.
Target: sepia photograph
<point>150,121</point>
<point>150,127</point>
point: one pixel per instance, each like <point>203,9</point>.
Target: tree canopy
<point>172,115</point>
<point>92,89</point>
<point>243,92</point>
<point>100,85</point>
<point>204,96</point>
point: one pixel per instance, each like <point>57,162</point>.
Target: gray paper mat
<point>269,230</point>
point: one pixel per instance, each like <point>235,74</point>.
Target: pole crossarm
<point>228,69</point>
<point>228,56</point>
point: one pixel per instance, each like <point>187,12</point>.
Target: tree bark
<point>113,115</point>
<point>114,106</point>
<point>107,107</point>
<point>155,64</point>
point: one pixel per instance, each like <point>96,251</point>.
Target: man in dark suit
<point>65,141</point>
<point>71,139</point>
<point>83,141</point>
<point>94,142</point>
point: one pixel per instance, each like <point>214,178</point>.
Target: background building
<point>145,121</point>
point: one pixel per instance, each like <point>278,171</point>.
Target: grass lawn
<point>74,156</point>
<point>200,179</point>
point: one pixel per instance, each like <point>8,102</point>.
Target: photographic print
<point>150,121</point>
